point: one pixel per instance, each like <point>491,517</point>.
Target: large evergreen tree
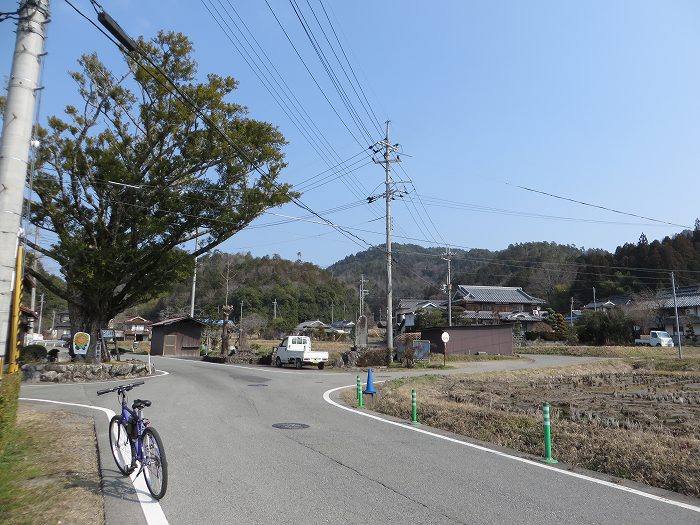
<point>125,181</point>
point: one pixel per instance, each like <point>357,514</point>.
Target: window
<point>284,341</point>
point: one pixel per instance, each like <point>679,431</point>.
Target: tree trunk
<point>226,311</point>
<point>91,322</point>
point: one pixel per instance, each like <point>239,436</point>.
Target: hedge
<point>9,395</point>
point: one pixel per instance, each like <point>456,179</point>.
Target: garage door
<point>170,344</point>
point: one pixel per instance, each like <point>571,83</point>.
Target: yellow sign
<point>81,343</point>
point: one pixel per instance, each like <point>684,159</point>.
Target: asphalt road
<point>227,464</point>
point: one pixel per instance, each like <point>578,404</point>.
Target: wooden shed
<point>180,336</point>
<point>491,339</point>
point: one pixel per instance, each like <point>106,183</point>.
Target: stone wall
<point>82,372</point>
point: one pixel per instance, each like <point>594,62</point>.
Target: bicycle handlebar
<point>120,388</point>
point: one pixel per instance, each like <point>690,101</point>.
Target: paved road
<point>227,464</point>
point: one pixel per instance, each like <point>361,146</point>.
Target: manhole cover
<point>290,426</point>
<point>257,384</point>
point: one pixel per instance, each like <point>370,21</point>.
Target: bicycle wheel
<point>122,448</point>
<point>155,466</point>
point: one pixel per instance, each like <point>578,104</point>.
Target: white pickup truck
<point>655,338</point>
<point>296,350</point>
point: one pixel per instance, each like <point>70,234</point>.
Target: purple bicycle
<point>133,439</point>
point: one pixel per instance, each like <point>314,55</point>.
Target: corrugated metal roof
<point>495,294</point>
<point>165,322</point>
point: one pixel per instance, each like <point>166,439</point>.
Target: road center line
<point>150,506</point>
<point>327,398</point>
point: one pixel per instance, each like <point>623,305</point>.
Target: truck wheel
<point>278,362</point>
<point>321,366</point>
<point>658,344</point>
<point>297,363</point>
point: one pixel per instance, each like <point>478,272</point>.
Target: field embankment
<point>637,419</point>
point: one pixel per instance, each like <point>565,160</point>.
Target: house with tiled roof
<point>407,309</point>
<point>497,304</point>
<point>688,303</point>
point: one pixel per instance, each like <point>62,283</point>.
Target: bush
<point>9,394</point>
<point>52,355</point>
<point>32,353</point>
<point>378,357</point>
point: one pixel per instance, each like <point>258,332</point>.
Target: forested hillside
<point>551,271</point>
<point>302,291</point>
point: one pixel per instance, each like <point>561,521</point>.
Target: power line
<point>212,125</point>
<point>596,205</point>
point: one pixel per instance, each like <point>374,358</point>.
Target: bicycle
<point>132,439</point>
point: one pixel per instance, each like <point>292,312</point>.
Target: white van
<point>296,350</point>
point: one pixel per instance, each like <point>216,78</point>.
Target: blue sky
<point>598,101</point>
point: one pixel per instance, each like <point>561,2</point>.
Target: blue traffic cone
<point>370,385</point>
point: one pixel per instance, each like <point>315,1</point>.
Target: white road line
<point>150,506</point>
<point>327,398</point>
<point>160,373</point>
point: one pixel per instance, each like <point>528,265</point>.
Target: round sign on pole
<point>445,337</point>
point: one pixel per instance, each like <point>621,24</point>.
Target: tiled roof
<point>495,294</point>
<point>610,302</point>
<point>411,305</point>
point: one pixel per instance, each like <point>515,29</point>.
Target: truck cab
<point>296,350</point>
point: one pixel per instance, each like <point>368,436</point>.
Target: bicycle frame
<point>126,416</point>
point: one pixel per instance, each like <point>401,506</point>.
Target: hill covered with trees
<point>548,270</point>
<point>302,291</point>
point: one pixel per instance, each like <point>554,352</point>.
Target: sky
<point>594,101</point>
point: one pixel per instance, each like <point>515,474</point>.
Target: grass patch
<point>49,470</point>
<point>9,393</point>
<point>629,418</point>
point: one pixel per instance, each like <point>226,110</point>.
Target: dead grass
<point>49,471</point>
<point>610,351</point>
<point>622,418</point>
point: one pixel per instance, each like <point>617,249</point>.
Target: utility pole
<point>332,305</point>
<point>388,148</point>
<point>595,305</point>
<point>448,258</point>
<point>41,313</point>
<point>228,269</point>
<point>675,307</point>
<point>363,292</point>
<point>194,275</point>
<point>274,309</point>
<point>14,148</point>
<point>571,313</point>
<point>240,328</point>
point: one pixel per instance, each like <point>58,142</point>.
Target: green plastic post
<point>414,408</point>
<point>547,435</point>
<point>359,392</point>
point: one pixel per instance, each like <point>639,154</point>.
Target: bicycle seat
<point>140,403</point>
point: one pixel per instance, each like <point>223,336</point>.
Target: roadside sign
<point>107,334</point>
<point>445,337</point>
<point>81,343</point>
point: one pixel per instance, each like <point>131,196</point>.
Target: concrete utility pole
<point>332,306</point>
<point>16,136</point>
<point>41,313</point>
<point>595,305</point>
<point>363,292</point>
<point>386,162</point>
<point>448,258</point>
<point>675,307</point>
<point>194,275</point>
<point>571,312</point>
<point>274,309</point>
